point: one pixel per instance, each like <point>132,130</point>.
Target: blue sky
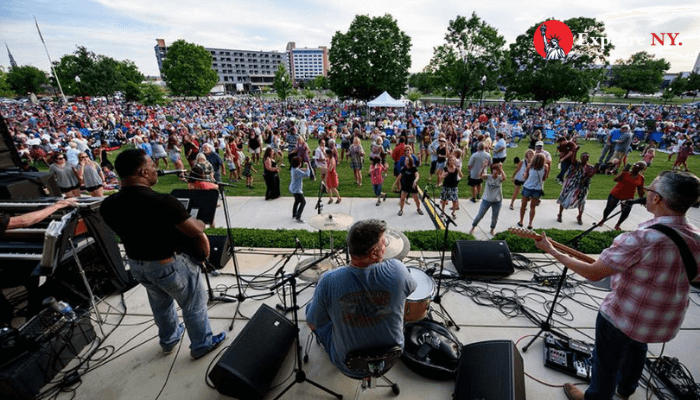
<point>127,29</point>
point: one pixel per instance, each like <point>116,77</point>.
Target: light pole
<point>483,82</point>
<point>77,81</point>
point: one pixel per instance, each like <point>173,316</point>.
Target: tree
<point>320,82</point>
<point>26,79</point>
<point>424,81</point>
<point>98,74</point>
<point>640,73</point>
<point>5,89</point>
<point>693,84</point>
<point>187,70</point>
<point>282,82</point>
<point>473,49</point>
<point>414,95</point>
<point>370,58</point>
<point>529,76</point>
<point>679,86</point>
<point>152,94</point>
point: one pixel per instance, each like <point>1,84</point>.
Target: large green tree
<point>370,58</point>
<point>26,79</point>
<point>282,82</point>
<point>187,69</point>
<point>528,76</point>
<point>639,73</point>
<point>423,81</point>
<point>693,84</point>
<point>98,74</point>
<point>472,50</point>
<point>5,89</point>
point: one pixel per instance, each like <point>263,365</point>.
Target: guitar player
<point>649,283</point>
<point>150,224</point>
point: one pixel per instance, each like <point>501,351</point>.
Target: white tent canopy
<point>385,100</point>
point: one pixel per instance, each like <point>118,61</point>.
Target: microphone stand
<point>446,220</point>
<point>546,325</point>
<point>319,207</point>
<point>299,374</point>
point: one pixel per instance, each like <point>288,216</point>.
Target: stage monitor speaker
<point>489,258</point>
<point>249,366</point>
<point>27,185</point>
<point>490,370</point>
<point>220,251</point>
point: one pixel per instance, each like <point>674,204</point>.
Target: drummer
<point>361,305</point>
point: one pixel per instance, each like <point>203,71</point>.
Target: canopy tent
<point>385,100</point>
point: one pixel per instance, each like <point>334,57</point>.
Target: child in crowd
<point>376,172</point>
<point>231,164</point>
<point>111,182</point>
<point>649,156</point>
<point>247,167</point>
<point>685,151</point>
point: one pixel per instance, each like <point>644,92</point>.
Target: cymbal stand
<point>546,325</point>
<point>299,374</point>
<point>446,221</point>
<point>283,307</point>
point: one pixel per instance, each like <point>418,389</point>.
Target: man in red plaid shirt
<point>649,285</point>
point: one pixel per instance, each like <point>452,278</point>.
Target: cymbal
<point>314,273</point>
<point>398,246</point>
<point>331,222</point>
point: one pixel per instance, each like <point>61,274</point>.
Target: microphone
<point>641,200</point>
<point>160,172</point>
<point>299,245</point>
<point>425,192</point>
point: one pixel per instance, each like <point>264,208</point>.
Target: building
<point>306,63</point>
<point>240,71</point>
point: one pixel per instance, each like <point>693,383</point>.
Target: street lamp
<point>483,82</point>
<point>77,81</point>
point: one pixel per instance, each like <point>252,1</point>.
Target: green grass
<point>601,185</point>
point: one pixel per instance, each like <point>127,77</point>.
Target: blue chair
<point>615,134</point>
<point>389,132</point>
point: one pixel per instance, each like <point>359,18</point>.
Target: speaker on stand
<point>488,259</point>
<point>250,365</point>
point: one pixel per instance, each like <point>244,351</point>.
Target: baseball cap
<point>539,143</point>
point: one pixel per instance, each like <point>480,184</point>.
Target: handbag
<point>686,255</point>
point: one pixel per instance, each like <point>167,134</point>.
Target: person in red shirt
<point>629,180</point>
<point>396,155</point>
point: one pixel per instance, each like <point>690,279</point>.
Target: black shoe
<point>216,341</point>
<point>299,220</point>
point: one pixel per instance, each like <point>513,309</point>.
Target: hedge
<point>594,243</point>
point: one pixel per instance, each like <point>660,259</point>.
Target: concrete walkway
<point>255,212</point>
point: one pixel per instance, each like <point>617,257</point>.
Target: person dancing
<point>575,190</point>
<point>332,176</point>
<point>629,180</point>
<point>532,188</point>
<point>409,185</point>
<point>519,177</point>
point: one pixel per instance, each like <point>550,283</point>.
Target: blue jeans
<point>180,281</point>
<point>618,361</point>
<point>377,189</point>
<point>485,205</point>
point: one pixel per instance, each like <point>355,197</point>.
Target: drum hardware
<point>299,374</point>
<point>398,245</point>
<point>446,220</point>
<point>330,222</point>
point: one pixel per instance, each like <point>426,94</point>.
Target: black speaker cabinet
<point>220,253</point>
<point>490,370</point>
<point>250,365</point>
<point>27,185</point>
<point>489,258</point>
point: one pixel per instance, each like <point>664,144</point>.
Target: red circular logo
<point>553,40</point>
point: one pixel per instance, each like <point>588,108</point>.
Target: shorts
<point>254,151</point>
<point>68,189</point>
<point>474,182</point>
<point>518,183</point>
<point>532,193</point>
<point>499,160</point>
<point>449,194</point>
<point>441,165</point>
<point>93,188</point>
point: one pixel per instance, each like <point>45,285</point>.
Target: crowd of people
<point>225,138</point>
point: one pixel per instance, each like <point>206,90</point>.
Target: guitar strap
<point>691,264</point>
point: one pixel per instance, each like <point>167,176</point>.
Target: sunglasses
<point>60,158</point>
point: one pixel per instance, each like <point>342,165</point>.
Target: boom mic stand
<point>300,375</point>
<point>546,325</point>
<point>445,220</point>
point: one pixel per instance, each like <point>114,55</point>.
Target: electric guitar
<point>530,234</point>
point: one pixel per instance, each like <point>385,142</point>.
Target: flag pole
<point>50,62</point>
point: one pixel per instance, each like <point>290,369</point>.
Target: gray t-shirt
<point>477,162</point>
<point>359,308</point>
<point>493,191</point>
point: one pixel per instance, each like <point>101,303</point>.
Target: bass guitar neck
<point>530,234</point>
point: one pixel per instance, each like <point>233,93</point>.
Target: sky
<point>128,29</point>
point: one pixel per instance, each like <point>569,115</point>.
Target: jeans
<point>625,209</point>
<point>618,361</point>
<point>606,154</point>
<point>299,204</point>
<point>377,189</point>
<point>564,167</point>
<point>179,281</point>
<point>485,205</point>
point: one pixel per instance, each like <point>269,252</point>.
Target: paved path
<point>255,212</point>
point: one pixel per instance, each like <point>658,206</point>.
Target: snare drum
<point>418,302</point>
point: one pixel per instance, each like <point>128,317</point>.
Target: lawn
<point>600,185</point>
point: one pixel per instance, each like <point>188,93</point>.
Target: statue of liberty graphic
<point>551,46</point>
